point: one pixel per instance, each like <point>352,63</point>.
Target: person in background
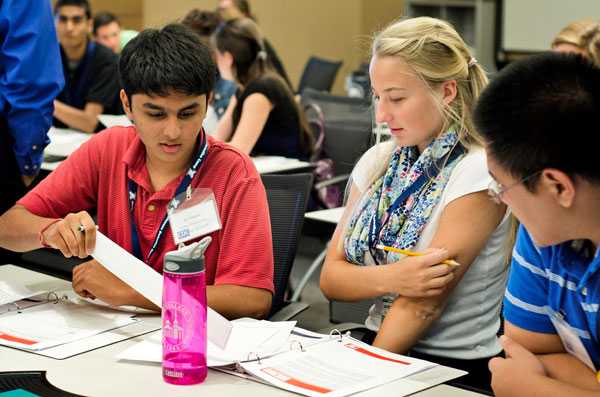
<point>28,40</point>
<point>107,31</point>
<point>204,24</point>
<point>580,37</point>
<point>263,118</point>
<point>131,174</point>
<point>539,120</point>
<point>230,10</point>
<point>90,70</point>
<point>424,190</point>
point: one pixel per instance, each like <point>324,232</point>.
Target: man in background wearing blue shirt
<point>539,119</point>
<point>30,78</point>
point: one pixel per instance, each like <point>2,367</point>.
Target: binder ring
<point>257,357</point>
<point>335,333</point>
<point>52,297</point>
<point>297,343</point>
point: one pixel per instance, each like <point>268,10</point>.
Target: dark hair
<point>102,19</point>
<point>203,23</point>
<point>77,3</point>
<point>542,112</point>
<point>242,39</point>
<point>244,7</point>
<point>172,59</point>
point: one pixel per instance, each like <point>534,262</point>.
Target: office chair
<point>287,196</point>
<point>319,74</point>
<point>345,126</point>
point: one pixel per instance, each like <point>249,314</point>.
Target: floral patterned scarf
<point>403,227</point>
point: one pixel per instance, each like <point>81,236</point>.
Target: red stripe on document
<point>274,372</point>
<point>374,355</point>
<point>16,339</point>
<point>308,386</point>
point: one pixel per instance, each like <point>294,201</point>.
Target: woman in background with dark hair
<point>263,117</point>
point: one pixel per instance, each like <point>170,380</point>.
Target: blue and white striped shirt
<point>554,279</point>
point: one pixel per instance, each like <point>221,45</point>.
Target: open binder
<point>55,318</point>
<point>44,316</point>
<point>314,364</point>
<point>335,365</point>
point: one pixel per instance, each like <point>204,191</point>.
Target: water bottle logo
<point>176,332</point>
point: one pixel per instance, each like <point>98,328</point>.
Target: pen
<point>450,262</point>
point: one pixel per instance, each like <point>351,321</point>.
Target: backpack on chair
<point>325,193</point>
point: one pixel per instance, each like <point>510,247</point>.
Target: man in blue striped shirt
<point>30,78</point>
<point>539,118</point>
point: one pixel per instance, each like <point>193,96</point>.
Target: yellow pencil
<point>450,262</point>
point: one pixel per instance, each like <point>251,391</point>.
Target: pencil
<point>450,262</point>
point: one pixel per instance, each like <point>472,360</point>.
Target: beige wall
<point>332,29</point>
<point>129,12</point>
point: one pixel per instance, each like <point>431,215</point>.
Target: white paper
<point>128,268</point>
<point>110,120</point>
<point>64,141</point>
<point>12,293</point>
<point>248,340</point>
<point>148,282</point>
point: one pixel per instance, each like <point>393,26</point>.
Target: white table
<point>99,373</point>
<point>330,215</point>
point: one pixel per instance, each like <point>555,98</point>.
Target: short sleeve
<point>367,164</point>
<point>246,252</point>
<point>104,88</point>
<point>72,187</point>
<point>470,175</point>
<point>526,297</point>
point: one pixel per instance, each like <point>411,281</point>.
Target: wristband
<point>41,233</point>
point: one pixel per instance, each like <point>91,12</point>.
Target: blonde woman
<point>425,190</point>
<point>580,37</point>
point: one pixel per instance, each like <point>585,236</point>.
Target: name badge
<point>193,214</point>
<point>570,339</point>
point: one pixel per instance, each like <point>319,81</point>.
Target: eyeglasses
<point>496,190</point>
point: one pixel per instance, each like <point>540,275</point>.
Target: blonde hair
<point>436,53</point>
<point>583,34</point>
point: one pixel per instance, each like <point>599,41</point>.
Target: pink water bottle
<point>184,316</point>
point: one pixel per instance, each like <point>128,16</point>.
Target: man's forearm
<point>235,301</point>
<point>19,229</point>
<point>568,369</point>
<point>75,118</point>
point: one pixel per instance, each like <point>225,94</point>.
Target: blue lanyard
<point>376,226</point>
<point>183,186</point>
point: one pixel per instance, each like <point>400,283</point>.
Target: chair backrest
<point>287,196</point>
<point>347,124</point>
<point>319,74</point>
